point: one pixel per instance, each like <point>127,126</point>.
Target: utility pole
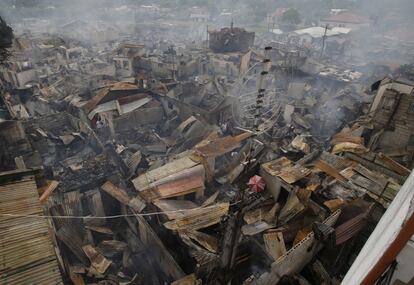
<point>232,234</point>
<point>323,39</point>
<point>172,52</point>
<point>207,39</point>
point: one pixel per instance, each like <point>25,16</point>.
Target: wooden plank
<point>116,192</point>
<point>52,185</point>
<point>323,166</point>
<point>207,241</point>
<point>122,196</point>
<point>98,261</point>
<point>393,165</point>
<point>381,181</point>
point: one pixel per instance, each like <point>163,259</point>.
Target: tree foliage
<point>291,16</point>
<point>6,40</point>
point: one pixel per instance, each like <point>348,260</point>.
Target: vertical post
<point>207,39</point>
<point>232,234</point>
<point>323,39</point>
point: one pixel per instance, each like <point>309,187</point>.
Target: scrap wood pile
<point>174,217</point>
<point>153,181</point>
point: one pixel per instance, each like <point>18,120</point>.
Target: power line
<point>112,217</point>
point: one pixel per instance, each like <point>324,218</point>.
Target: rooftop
<point>347,17</point>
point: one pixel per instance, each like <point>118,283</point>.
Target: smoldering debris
<point>232,155</point>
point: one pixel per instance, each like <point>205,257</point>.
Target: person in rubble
<point>94,121</point>
<point>99,124</point>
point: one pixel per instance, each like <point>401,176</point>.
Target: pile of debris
<point>148,180</point>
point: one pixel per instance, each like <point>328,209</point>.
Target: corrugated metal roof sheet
<point>144,181</point>
<point>220,146</point>
<point>27,255</point>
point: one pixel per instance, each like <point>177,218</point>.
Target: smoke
<point>387,40</point>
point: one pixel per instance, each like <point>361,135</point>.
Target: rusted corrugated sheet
<point>346,137</point>
<point>184,182</point>
<point>92,103</point>
<point>286,170</point>
<point>221,146</point>
<point>144,181</point>
<point>199,218</point>
<point>26,251</point>
<point>119,86</point>
<point>349,147</point>
<point>393,165</point>
<point>350,228</point>
<point>171,207</point>
<point>328,169</point>
<point>275,244</point>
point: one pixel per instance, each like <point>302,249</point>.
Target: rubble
<point>168,164</point>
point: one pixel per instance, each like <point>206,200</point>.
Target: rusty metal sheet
<point>349,147</point>
<point>334,204</point>
<point>199,218</point>
<point>274,167</point>
<point>181,183</point>
<point>176,188</point>
<point>172,207</point>
<point>275,244</point>
<point>292,174</point>
<point>120,86</point>
<point>346,137</point>
<point>220,146</point>
<point>301,234</point>
<point>393,165</point>
<point>299,142</point>
<point>337,162</point>
<point>94,101</point>
<point>328,169</point>
<point>98,261</point>
<point>196,171</point>
<point>286,170</point>
<point>350,228</point>
<point>27,255</point>
<point>147,179</point>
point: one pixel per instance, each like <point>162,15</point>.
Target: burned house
<point>231,39</point>
<point>171,162</point>
<point>121,107</point>
<point>390,119</point>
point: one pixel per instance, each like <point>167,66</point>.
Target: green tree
<point>291,16</point>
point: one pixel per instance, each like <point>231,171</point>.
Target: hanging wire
<point>114,216</point>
